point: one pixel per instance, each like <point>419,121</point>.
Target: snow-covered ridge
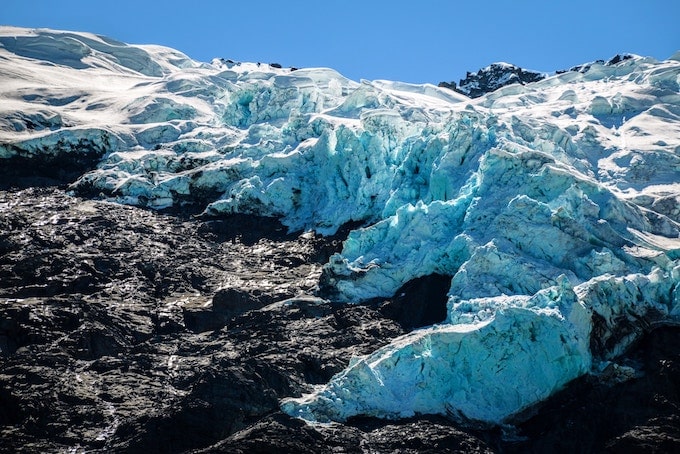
<point>554,206</point>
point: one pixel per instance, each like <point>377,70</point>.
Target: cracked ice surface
<point>496,356</point>
<point>540,223</point>
<point>554,206</point>
<point>483,370</point>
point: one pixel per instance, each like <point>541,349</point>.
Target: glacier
<point>553,206</point>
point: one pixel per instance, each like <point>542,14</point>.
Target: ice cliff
<point>554,206</point>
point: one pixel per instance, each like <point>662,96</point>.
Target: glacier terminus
<point>554,206</point>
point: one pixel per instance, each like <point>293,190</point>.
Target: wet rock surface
<point>127,330</point>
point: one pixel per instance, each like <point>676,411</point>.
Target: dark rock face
<point>491,78</point>
<point>427,434</point>
<point>125,330</point>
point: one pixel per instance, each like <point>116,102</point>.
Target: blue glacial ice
<point>554,206</point>
<point>484,368</point>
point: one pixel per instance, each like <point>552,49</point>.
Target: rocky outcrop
<point>117,333</point>
<point>491,78</point>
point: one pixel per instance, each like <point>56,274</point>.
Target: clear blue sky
<point>412,41</point>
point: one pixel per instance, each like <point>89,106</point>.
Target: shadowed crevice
<point>420,302</point>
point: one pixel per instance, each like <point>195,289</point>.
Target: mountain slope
<point>553,206</point>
